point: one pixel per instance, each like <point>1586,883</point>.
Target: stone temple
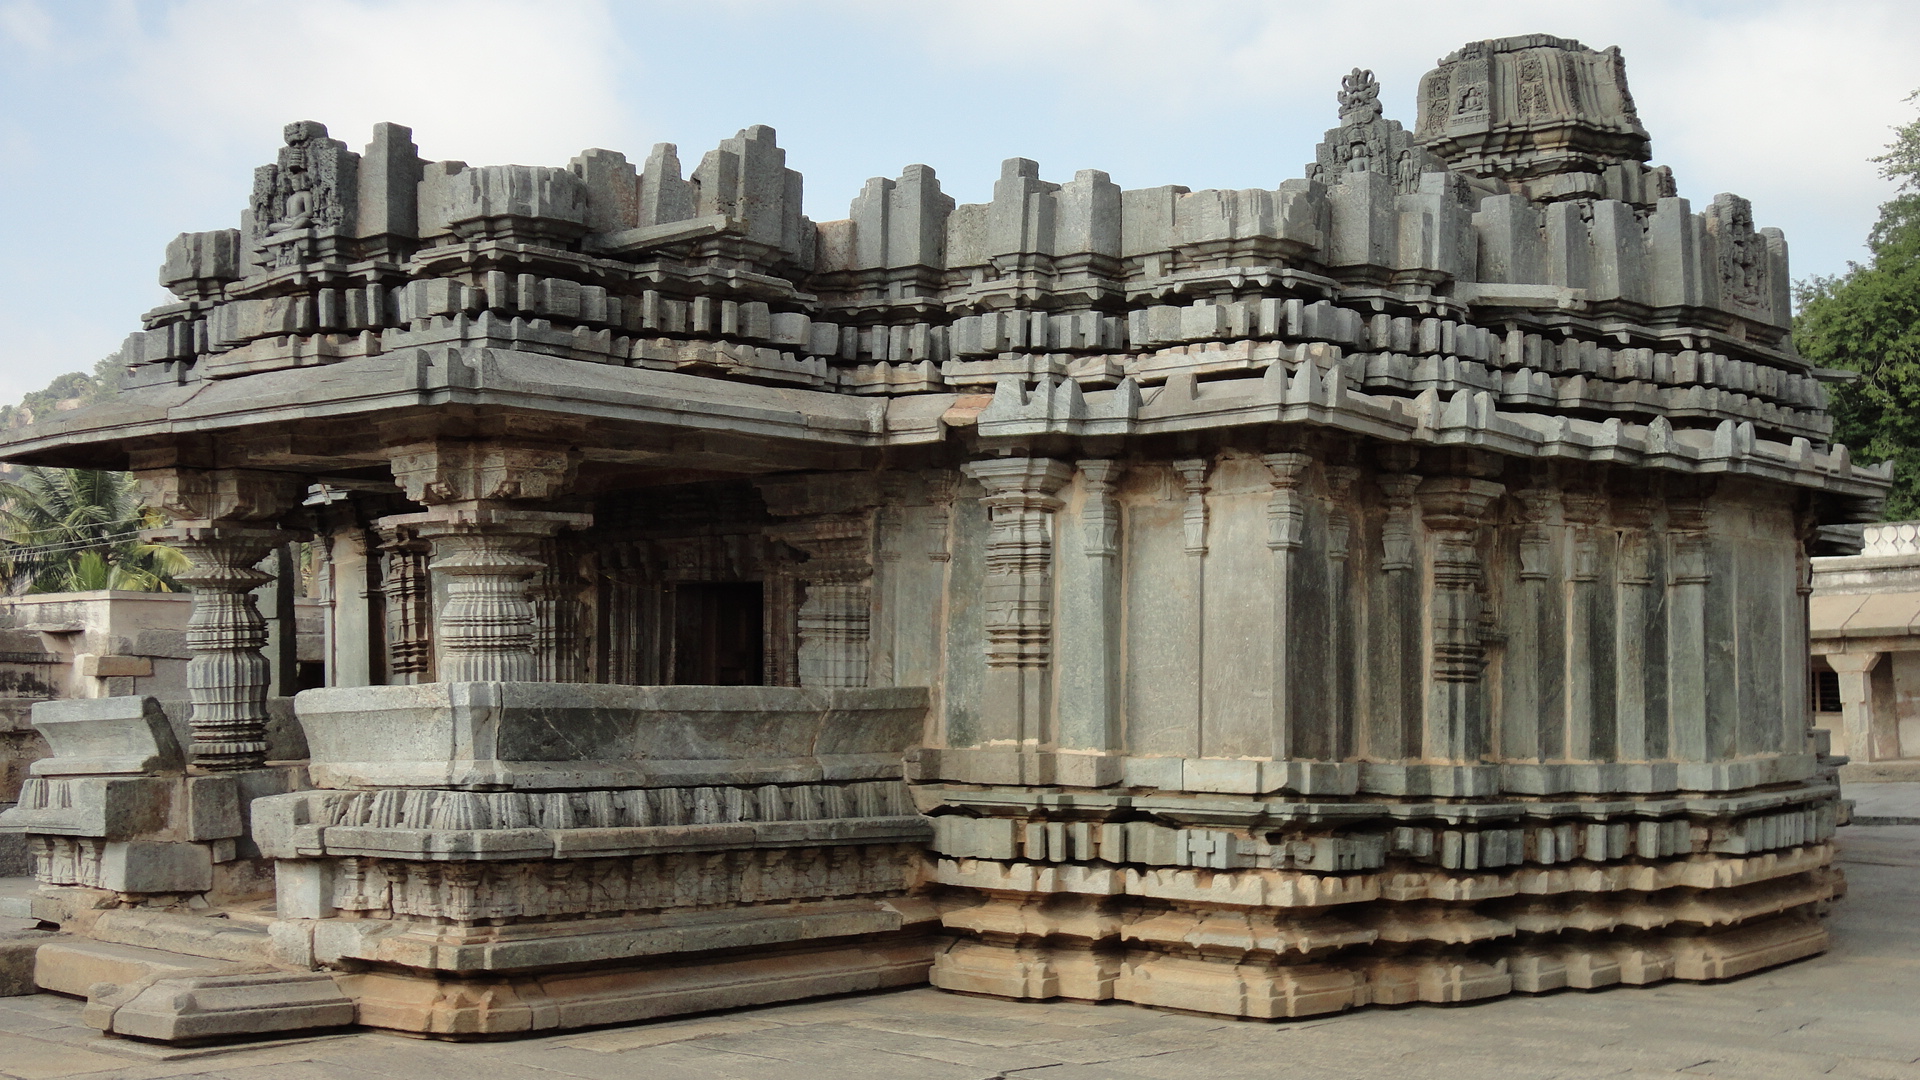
<point>1389,586</point>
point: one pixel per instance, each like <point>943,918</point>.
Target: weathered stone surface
<point>105,735</point>
<point>181,1009</point>
<point>75,967</point>
<point>1381,588</point>
<point>17,951</point>
<point>549,736</point>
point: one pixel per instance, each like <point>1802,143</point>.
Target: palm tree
<point>76,530</point>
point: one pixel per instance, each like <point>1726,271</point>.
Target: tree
<point>75,530</point>
<point>1868,320</point>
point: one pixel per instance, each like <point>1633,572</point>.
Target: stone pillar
<point>1018,593</point>
<point>1453,508</point>
<point>222,524</point>
<point>485,545</point>
<point>1286,526</point>
<point>832,520</point>
<point>1856,701</point>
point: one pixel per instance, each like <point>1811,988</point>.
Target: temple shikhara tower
<point>1385,586</point>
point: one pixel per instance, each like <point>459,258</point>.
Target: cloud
<point>483,80</point>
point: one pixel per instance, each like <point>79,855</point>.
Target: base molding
<point>442,1006</point>
<point>1269,989</point>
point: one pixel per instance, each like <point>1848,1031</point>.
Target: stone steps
<point>75,965</point>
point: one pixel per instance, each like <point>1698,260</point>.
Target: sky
<point>125,122</point>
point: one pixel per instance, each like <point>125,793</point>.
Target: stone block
<point>506,734</point>
<point>103,807</point>
<point>149,866</point>
<point>105,735</point>
<point>208,1007</point>
<point>303,888</point>
<point>73,966</point>
<point>17,950</point>
<point>94,665</point>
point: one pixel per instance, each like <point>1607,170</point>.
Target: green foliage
<point>73,530</point>
<point>1868,320</point>
<point>72,390</point>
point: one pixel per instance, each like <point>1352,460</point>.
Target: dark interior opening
<point>718,633</point>
<point>1826,691</point>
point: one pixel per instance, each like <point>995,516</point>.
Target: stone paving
<point>1849,1013</point>
<point>1885,803</point>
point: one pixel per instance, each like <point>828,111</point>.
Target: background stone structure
<point>1388,586</point>
<point>1863,618</point>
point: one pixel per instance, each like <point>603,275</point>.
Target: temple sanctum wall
<point>1389,586</point>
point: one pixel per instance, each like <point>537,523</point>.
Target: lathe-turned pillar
<point>224,521</point>
<point>485,540</point>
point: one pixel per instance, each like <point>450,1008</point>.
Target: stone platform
<point>1846,1014</point>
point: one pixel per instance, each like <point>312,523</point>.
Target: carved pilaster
<point>1453,508</point>
<point>1396,534</point>
<point>941,486</point>
<point>1340,480</point>
<point>1633,573</point>
<point>833,520</point>
<point>1286,528</point>
<point>1533,717</point>
<point>1018,592</point>
<point>1193,479</point>
<point>1590,675</point>
<point>1688,576</point>
<point>1090,626</point>
<point>1100,519</point>
<point>409,605</point>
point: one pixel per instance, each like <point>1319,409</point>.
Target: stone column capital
<point>438,472</point>
<point>206,497</point>
<point>1025,481</point>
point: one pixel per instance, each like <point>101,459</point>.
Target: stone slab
<point>504,734</point>
<point>455,1008</point>
<point>211,1007</point>
<point>17,950</point>
<point>74,966</point>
